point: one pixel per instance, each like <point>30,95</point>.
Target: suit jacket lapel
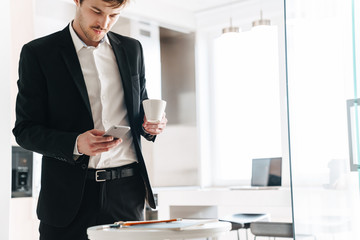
<point>124,70</point>
<point>72,62</point>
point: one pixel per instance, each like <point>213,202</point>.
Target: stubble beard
<point>90,34</point>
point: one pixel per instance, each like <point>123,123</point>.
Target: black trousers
<point>103,203</point>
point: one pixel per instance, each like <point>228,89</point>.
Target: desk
<point>207,230</point>
<point>194,202</point>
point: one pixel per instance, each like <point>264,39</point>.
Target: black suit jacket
<point>53,108</point>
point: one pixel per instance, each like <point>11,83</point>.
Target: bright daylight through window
<point>247,103</point>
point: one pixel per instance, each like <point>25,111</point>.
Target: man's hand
<point>92,142</point>
<point>155,128</point>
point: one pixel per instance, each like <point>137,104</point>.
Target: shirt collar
<point>79,44</point>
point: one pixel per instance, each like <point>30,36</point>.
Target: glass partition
<point>323,101</point>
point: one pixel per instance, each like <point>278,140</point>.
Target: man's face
<point>93,19</point>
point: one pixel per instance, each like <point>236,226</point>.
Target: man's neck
<point>78,32</point>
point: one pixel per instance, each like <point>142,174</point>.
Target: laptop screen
<point>266,172</point>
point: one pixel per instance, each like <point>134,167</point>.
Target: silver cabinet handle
<point>353,119</point>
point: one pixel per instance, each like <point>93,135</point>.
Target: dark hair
<point>114,3</point>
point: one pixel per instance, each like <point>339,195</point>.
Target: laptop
<point>265,174</point>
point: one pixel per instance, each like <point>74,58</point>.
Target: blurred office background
<point>283,85</point>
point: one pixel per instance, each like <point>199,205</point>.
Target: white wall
<point>5,170</point>
<point>165,15</point>
<point>51,16</point>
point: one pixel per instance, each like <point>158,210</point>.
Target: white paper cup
<point>154,109</point>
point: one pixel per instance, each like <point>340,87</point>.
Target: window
<point>246,103</point>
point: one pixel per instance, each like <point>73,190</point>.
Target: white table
<point>207,230</point>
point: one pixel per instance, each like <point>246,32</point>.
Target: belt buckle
<point>97,176</point>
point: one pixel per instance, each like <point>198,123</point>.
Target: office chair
<point>244,220</point>
<point>272,229</point>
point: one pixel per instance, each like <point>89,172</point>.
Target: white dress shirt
<point>106,96</point>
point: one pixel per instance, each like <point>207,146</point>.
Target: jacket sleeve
<point>32,130</point>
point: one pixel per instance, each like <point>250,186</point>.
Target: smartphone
<point>117,131</point>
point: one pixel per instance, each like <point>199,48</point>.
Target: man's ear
<point>77,2</point>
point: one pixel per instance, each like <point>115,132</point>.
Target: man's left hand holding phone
<point>94,142</point>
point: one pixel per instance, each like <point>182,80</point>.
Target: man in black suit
<point>73,85</point>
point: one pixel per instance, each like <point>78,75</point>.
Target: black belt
<point>101,175</point>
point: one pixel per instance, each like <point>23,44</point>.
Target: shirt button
<point>83,166</point>
<point>103,97</point>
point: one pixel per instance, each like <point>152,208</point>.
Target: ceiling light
<point>261,21</point>
<point>230,29</point>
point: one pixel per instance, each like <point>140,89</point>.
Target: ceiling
<point>189,5</point>
<point>174,14</point>
<point>199,5</point>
